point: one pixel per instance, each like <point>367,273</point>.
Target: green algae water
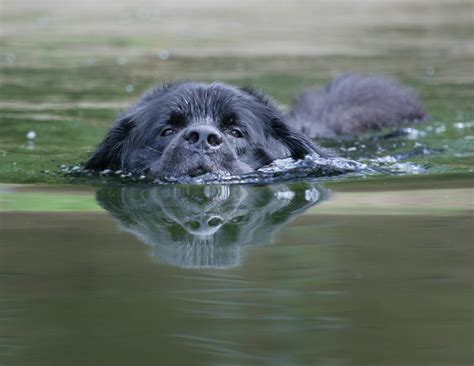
<point>287,274</point>
<point>361,270</point>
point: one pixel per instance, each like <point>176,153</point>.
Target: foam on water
<point>310,168</point>
<point>400,152</point>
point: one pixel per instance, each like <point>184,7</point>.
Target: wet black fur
<point>353,104</point>
<point>350,105</point>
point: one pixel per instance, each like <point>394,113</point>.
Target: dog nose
<point>203,136</point>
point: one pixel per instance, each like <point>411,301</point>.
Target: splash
<point>312,167</point>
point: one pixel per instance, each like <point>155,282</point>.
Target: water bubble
<point>386,159</point>
<point>311,195</point>
<point>413,133</point>
<point>121,60</point>
<point>407,168</point>
<point>285,195</point>
<point>430,71</point>
<point>11,58</point>
<point>129,88</point>
<point>164,55</point>
<point>462,125</point>
<point>440,129</point>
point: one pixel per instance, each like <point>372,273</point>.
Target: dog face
<point>189,129</point>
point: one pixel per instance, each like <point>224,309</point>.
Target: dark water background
<point>367,270</point>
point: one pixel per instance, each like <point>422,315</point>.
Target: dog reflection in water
<point>206,226</point>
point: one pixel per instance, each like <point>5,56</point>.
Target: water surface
<point>368,269</point>
<point>66,71</point>
<point>288,274</point>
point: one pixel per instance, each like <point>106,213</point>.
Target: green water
<point>70,100</point>
<point>360,271</point>
<point>71,107</point>
<point>288,274</point>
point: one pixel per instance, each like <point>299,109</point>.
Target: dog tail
<point>354,104</point>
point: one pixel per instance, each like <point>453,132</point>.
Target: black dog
<point>189,128</point>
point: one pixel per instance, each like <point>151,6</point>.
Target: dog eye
<point>167,132</point>
<point>236,133</point>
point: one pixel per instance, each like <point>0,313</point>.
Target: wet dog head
<point>189,129</point>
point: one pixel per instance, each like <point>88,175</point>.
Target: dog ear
<point>109,153</point>
<point>298,144</point>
